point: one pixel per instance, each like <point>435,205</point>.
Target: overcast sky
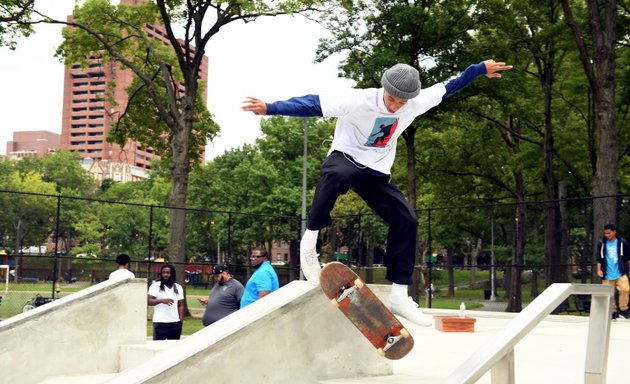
<point>271,58</point>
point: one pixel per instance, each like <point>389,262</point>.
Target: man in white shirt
<point>123,271</point>
<point>369,122</point>
<point>168,299</point>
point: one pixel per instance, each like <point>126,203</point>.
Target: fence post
<point>150,247</point>
<point>229,245</point>
<point>430,262</point>
<point>56,255</point>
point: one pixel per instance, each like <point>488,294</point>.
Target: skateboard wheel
<point>358,283</point>
<point>380,352</point>
<point>404,333</point>
<point>334,303</point>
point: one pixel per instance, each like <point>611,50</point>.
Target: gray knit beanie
<point>401,81</point>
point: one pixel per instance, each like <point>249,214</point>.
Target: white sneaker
<point>410,311</point>
<point>309,263</point>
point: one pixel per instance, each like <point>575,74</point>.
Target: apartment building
<point>87,117</point>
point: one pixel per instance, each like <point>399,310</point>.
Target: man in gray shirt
<point>224,298</point>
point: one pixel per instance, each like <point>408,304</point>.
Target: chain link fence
<point>53,245</point>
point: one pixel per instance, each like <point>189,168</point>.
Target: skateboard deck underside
<point>366,311</point>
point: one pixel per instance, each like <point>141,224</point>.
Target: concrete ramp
<point>291,336</point>
<point>76,335</point>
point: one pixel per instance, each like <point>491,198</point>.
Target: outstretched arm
<point>303,106</point>
<point>490,68</point>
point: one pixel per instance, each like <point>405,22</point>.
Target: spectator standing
<point>263,281</point>
<point>168,299</point>
<point>612,267</point>
<point>224,298</point>
<point>123,271</point>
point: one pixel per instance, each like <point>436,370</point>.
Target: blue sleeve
<point>303,106</point>
<point>464,79</point>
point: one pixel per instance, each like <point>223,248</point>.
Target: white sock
<point>309,239</point>
<point>399,293</point>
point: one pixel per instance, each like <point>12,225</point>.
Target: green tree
<point>118,33</point>
<point>27,211</point>
<point>14,17</point>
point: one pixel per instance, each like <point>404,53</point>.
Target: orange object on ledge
<point>454,323</point>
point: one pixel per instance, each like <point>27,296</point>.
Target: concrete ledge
<point>77,334</point>
<point>291,336</point>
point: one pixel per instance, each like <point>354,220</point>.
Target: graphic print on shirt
<point>384,128</point>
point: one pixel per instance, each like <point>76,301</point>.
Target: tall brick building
<point>87,117</point>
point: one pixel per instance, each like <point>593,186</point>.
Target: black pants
<point>339,173</point>
<point>167,331</point>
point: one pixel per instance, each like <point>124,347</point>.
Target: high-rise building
<point>88,118</point>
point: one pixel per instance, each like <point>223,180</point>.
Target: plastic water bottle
<point>462,310</point>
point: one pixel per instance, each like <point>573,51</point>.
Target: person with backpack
<point>613,261</point>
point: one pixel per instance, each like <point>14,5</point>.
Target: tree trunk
<point>450,272</point>
<point>369,274</point>
<point>553,230</point>
<point>563,272</point>
<point>410,145</point>
<point>515,299</point>
<point>473,261</point>
<point>600,72</point>
<point>180,170</point>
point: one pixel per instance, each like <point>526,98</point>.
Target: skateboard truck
<point>390,341</point>
<point>345,292</point>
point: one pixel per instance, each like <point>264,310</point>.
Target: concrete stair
<point>80,379</point>
<point>131,355</point>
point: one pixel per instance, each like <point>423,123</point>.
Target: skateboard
<point>360,305</point>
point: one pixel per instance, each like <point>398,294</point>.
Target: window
<point>78,117</point>
<point>80,109</point>
<point>77,142</point>
<point>97,92</point>
<point>95,133</point>
<point>79,101</point>
<point>94,151</point>
<point>76,93</point>
<point>95,142</point>
<point>100,125</point>
<point>97,109</point>
<point>97,83</point>
<point>94,117</point>
<point>81,84</point>
<point>78,134</point>
<point>74,126</point>
<point>79,75</point>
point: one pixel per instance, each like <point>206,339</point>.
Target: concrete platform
<point>553,353</point>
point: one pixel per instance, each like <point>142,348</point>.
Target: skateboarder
<point>363,150</point>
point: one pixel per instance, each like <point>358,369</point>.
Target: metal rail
<point>498,355</point>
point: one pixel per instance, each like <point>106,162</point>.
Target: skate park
<point>98,335</point>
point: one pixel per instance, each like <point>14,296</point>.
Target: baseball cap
<point>219,269</point>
